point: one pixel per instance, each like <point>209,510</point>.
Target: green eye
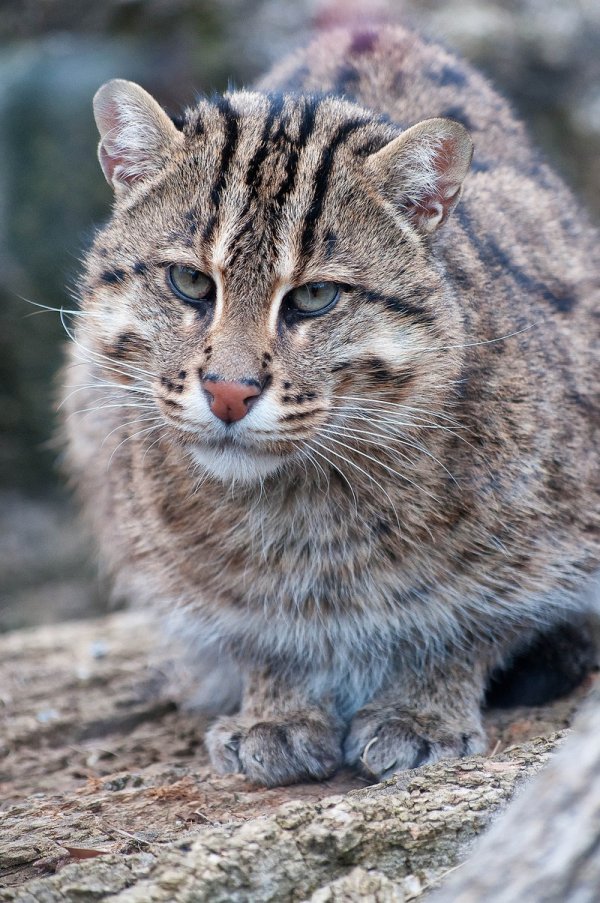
<point>313,298</point>
<point>190,285</point>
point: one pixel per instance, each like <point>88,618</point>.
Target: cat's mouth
<point>230,453</point>
<point>227,443</point>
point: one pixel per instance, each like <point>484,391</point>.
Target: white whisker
<point>149,448</point>
<point>351,433</point>
<point>102,407</point>
<point>499,338</point>
<point>91,355</point>
<point>334,466</point>
<point>390,418</point>
<point>127,439</point>
<point>380,463</point>
<point>317,465</point>
<point>56,310</point>
<point>367,403</point>
<point>123,368</point>
<point>357,467</point>
<point>113,387</point>
<point>130,423</point>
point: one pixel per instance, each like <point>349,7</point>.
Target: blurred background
<point>54,54</point>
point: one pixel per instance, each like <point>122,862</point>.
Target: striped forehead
<point>272,158</point>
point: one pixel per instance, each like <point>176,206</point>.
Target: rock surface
<point>107,792</point>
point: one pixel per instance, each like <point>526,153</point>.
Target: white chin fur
<point>235,465</point>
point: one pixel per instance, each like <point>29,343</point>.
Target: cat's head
<point>267,274</point>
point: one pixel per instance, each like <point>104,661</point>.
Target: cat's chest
<point>292,540</point>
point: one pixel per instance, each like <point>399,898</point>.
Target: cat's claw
<point>381,744</point>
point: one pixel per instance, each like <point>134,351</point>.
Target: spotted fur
<point>415,492</point>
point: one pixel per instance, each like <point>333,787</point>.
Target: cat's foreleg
<point>418,719</point>
<point>280,735</point>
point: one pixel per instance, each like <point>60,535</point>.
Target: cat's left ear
<point>136,135</point>
<point>422,170</point>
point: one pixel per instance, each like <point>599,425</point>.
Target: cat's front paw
<point>286,750</point>
<point>383,741</point>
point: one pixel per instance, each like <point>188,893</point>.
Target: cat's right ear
<point>136,135</point>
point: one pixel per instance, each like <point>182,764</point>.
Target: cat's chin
<point>235,465</point>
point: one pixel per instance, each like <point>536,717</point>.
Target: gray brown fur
<point>363,590</point>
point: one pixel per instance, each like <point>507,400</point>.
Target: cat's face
<point>267,277</point>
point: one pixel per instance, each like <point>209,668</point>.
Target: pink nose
<point>230,401</point>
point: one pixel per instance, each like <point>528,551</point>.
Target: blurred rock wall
<point>543,54</point>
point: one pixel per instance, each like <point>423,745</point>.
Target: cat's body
<point>425,494</point>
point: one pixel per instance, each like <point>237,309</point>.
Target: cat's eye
<point>190,285</point>
<point>313,298</point>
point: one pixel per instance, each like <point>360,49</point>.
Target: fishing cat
<point>334,397</point>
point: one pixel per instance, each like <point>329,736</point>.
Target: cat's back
<point>398,74</point>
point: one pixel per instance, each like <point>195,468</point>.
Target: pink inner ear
<point>441,200</point>
<point>108,163</point>
<point>114,166</point>
<point>443,163</point>
<point>445,153</point>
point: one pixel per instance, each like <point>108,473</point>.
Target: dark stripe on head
<point>191,218</point>
<point>254,176</point>
<point>209,227</point>
<point>270,141</point>
<point>127,346</point>
<point>231,135</point>
<point>321,181</point>
<point>330,240</point>
<point>262,149</point>
<point>414,312</point>
<point>372,145</point>
<point>301,415</point>
<point>381,372</point>
<point>305,129</point>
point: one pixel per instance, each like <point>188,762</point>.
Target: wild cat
<point>334,397</point>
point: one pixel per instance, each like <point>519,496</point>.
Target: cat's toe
<point>287,751</point>
<point>383,743</point>
<point>276,752</point>
<point>222,741</point>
